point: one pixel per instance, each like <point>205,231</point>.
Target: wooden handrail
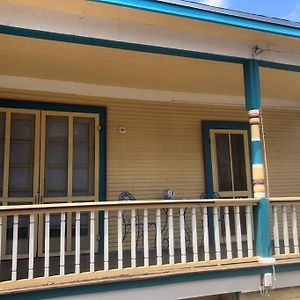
<point>285,200</point>
<point>120,205</point>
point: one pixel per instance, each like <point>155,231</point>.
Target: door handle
<point>36,198</point>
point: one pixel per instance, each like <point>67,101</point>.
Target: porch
<point>188,234</point>
<point>217,242</point>
<point>145,123</point>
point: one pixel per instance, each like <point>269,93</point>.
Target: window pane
<point>56,182</point>
<point>56,170</point>
<point>23,233</point>
<point>55,223</point>
<point>21,155</point>
<point>238,162</point>
<point>223,162</point>
<point>83,156</point>
<point>84,231</point>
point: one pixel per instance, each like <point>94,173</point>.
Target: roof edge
<point>232,12</point>
<point>201,12</point>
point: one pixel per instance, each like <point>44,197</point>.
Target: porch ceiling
<point>113,67</point>
<point>279,84</point>
<point>43,59</point>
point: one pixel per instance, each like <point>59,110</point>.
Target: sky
<point>284,9</point>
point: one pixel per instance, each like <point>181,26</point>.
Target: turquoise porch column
<point>253,106</point>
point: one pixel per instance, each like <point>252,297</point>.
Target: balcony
<point>284,227</point>
<point>63,244</point>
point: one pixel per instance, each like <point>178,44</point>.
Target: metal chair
<point>215,195</point>
<point>139,224</point>
<point>210,195</point>
<point>188,231</point>
<point>125,196</point>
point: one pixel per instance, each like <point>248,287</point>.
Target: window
<point>230,163</point>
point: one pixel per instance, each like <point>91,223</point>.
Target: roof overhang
<point>101,24</point>
<point>189,9</point>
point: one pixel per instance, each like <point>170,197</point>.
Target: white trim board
<point>195,289</point>
<point>106,91</point>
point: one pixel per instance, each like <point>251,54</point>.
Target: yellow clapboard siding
<point>161,149</point>
<point>283,157</point>
<point>283,151</point>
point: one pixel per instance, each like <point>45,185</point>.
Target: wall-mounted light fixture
<point>122,130</point>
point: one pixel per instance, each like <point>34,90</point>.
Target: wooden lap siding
<point>163,148</point>
<point>283,156</point>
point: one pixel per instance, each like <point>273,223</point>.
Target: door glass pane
<point>83,156</point>
<point>84,231</point>
<point>2,140</point>
<point>23,232</point>
<point>21,155</point>
<point>55,224</point>
<point>56,169</point>
<point>223,162</point>
<point>238,162</point>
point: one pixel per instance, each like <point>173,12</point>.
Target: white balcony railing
<point>285,226</point>
<point>52,242</point>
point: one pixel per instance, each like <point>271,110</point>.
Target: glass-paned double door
<point>47,157</point>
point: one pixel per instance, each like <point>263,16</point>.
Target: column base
<point>259,195</point>
<point>267,260</point>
